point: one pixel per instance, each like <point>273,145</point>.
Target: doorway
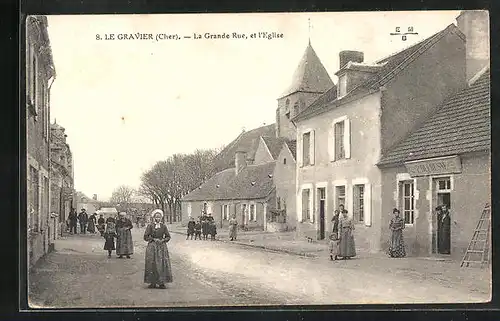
<point>442,227</point>
<point>321,206</point>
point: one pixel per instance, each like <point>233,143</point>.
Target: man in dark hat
<point>83,217</point>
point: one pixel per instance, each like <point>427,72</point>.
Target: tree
<point>168,181</point>
<point>122,195</point>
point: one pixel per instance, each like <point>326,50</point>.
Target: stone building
<point>342,135</point>
<point>40,74</point>
<point>446,160</point>
<point>271,144</point>
<point>61,175</point>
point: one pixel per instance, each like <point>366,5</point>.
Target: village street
<point>211,273</point>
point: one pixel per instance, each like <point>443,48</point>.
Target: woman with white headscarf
<point>158,269</point>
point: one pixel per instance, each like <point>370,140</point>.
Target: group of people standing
<point>118,229</point>
<point>342,239</point>
<point>87,222</point>
<point>204,227</point>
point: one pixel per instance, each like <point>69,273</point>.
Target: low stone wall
<point>276,227</point>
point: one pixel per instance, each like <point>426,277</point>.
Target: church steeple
<point>310,75</point>
<point>309,81</point>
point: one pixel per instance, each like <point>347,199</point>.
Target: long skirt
<point>397,246</point>
<point>347,247</point>
<point>91,227</point>
<point>158,269</point>
<point>233,231</point>
<point>124,244</point>
<point>109,243</point>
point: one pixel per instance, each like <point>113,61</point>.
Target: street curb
<point>271,249</point>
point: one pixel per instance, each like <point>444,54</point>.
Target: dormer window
<point>342,85</point>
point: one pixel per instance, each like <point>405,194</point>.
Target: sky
<point>127,104</point>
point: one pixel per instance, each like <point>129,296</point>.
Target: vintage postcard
<point>276,159</point>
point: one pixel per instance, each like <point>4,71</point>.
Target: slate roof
<point>274,144</point>
<point>390,67</point>
<point>461,125</point>
<point>292,145</point>
<point>310,75</point>
<point>236,187</point>
<point>247,141</point>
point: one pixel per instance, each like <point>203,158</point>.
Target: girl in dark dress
<point>158,269</point>
<point>109,235</point>
<point>333,244</point>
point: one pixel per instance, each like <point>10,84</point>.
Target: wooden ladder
<point>478,249</point>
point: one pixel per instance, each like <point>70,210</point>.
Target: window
<point>306,145</point>
<point>278,203</point>
<point>253,216</point>
<point>340,194</point>
<point>287,115</point>
<point>225,212</point>
<point>408,201</point>
<point>189,209</point>
<point>287,103</point>
<point>296,108</point>
<point>359,203</point>
<point>342,86</point>
<point>34,202</point>
<point>339,141</point>
<point>444,183</point>
<point>306,204</point>
<point>45,195</point>
<point>284,160</point>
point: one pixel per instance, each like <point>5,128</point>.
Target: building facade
<point>447,160</point>
<point>61,175</point>
<point>342,135</point>
<point>246,191</point>
<point>40,73</point>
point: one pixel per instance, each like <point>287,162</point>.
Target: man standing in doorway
<point>444,225</point>
<point>83,218</point>
<point>72,221</point>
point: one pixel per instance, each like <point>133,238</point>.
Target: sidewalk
<point>445,271</point>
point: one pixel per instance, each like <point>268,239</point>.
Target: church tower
<point>309,81</point>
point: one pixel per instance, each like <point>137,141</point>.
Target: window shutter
<point>300,151</point>
<point>312,208</point>
<point>299,206</point>
<point>311,147</point>
<point>331,143</point>
<point>347,138</point>
<point>368,205</point>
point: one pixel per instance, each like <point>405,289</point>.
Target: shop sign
<point>434,166</point>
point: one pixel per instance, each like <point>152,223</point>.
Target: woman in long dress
<point>233,228</point>
<point>124,244</point>
<point>347,247</point>
<point>397,245</point>
<point>158,269</point>
<point>91,223</point>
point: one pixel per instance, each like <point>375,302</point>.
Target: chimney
<point>240,161</point>
<point>475,24</point>
<point>352,72</point>
<point>94,197</point>
<point>350,55</point>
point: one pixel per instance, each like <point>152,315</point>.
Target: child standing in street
<point>197,230</point>
<point>333,246</point>
<point>109,235</point>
